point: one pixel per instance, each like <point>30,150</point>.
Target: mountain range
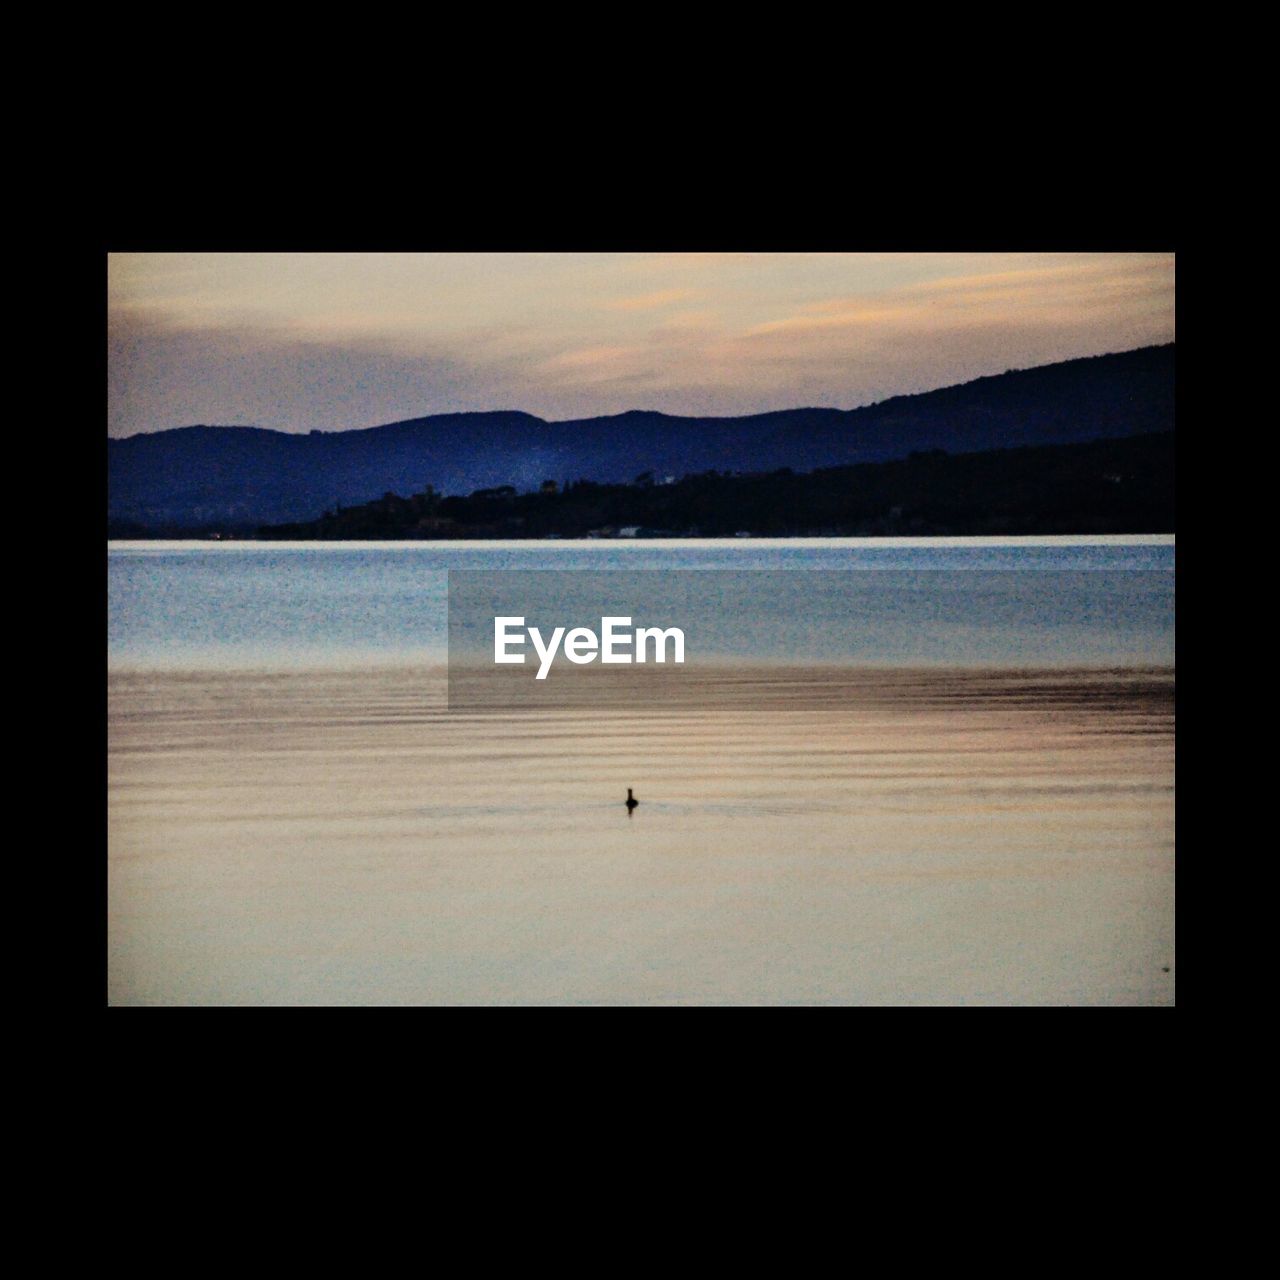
<point>241,477</point>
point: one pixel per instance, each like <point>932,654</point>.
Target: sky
<point>301,342</point>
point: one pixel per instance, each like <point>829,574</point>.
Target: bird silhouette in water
<point>631,803</point>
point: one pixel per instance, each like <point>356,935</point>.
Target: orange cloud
<point>651,301</point>
<point>1057,294</point>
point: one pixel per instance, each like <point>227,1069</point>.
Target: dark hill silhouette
<point>1106,486</point>
<point>241,477</point>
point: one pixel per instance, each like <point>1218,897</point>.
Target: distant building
<point>629,531</point>
<point>549,486</point>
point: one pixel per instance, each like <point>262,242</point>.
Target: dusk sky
<point>332,341</point>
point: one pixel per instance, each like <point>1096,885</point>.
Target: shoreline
<point>977,540</point>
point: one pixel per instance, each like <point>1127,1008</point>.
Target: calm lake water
<point>951,783</point>
<point>307,605</point>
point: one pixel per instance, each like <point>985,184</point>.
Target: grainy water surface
<point>295,817</point>
<point>308,605</point>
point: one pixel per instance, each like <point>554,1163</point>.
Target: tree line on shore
<point>1106,486</point>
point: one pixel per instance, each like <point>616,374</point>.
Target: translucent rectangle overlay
<point>875,618</point>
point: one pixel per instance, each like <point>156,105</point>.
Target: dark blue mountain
<point>245,476</point>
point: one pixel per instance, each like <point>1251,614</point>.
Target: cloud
<point>810,338</point>
<point>651,301</point>
<point>163,375</point>
<point>1060,294</point>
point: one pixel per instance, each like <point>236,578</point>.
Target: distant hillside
<point>1108,486</point>
<point>241,477</point>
